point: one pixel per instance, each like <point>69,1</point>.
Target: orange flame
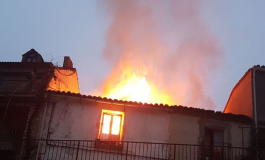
<point>176,60</point>
<point>133,86</point>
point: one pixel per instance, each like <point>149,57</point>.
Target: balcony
<point>14,85</point>
<point>90,150</point>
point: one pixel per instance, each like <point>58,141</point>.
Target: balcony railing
<point>120,150</point>
<point>15,84</point>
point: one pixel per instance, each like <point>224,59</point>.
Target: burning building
<point>57,122</point>
<point>163,48</point>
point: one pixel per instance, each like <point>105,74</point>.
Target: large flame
<point>160,52</point>
<point>134,88</point>
<point>130,84</point>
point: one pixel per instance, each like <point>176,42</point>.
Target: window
<point>213,141</point>
<point>111,125</point>
<point>28,59</point>
<point>213,137</point>
<point>7,136</point>
<point>31,58</point>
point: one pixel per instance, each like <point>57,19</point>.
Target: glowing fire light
<point>135,88</point>
<point>116,125</point>
<point>106,124</point>
<point>111,125</point>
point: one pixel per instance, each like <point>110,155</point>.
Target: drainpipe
<point>254,99</point>
<point>255,108</point>
<point>42,127</point>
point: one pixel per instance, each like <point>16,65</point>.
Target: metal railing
<point>7,132</point>
<point>121,150</point>
<point>13,84</point>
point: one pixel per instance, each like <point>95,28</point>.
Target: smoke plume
<point>167,42</point>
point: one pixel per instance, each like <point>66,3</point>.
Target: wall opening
<point>111,125</point>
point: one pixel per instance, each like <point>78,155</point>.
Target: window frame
<point>112,113</point>
<point>213,148</point>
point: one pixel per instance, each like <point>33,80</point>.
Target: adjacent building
<point>248,98</point>
<point>22,91</point>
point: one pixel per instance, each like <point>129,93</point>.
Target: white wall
<point>78,119</point>
<point>75,119</point>
<point>184,129</point>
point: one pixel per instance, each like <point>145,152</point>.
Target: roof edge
<point>238,83</point>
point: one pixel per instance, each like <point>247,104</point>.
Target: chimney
<point>67,63</point>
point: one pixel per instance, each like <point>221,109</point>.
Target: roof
<point>25,63</point>
<point>238,83</point>
<point>27,57</point>
<point>32,51</point>
<point>241,79</point>
<point>174,108</point>
<point>258,66</point>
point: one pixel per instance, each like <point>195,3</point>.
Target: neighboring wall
<point>185,129</point>
<point>65,79</point>
<point>260,92</point>
<point>77,118</point>
<point>240,100</point>
<point>10,126</point>
<point>17,77</point>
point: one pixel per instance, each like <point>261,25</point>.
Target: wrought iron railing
<point>7,132</point>
<point>15,84</point>
<point>98,150</point>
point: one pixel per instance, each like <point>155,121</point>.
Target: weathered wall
<point>185,129</point>
<point>71,119</point>
<point>238,137</point>
<point>76,118</point>
<point>240,100</point>
<point>146,125</point>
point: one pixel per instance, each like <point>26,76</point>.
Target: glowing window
<point>115,128</point>
<point>111,125</point>
<point>106,124</point>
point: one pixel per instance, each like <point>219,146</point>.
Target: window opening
<point>29,60</point>
<point>111,125</point>
<point>213,141</point>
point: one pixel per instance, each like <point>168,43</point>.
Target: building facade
<point>45,117</point>
<point>247,98</point>
<point>22,88</point>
